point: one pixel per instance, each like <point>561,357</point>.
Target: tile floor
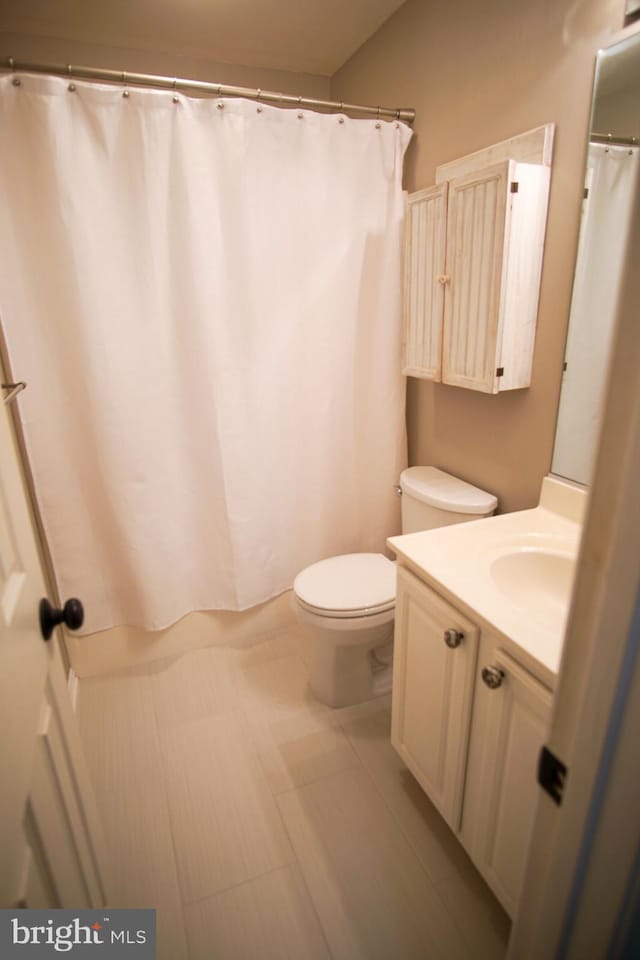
<point>260,823</point>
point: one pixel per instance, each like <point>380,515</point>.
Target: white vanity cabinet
<point>511,717</point>
<point>473,259</point>
<point>469,721</point>
<point>435,651</point>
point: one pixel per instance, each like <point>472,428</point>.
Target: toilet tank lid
<point>441,490</point>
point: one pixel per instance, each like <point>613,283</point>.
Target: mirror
<point>613,162</point>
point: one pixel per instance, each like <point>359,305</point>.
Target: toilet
<point>348,601</point>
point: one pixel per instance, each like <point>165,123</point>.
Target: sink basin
<point>512,573</point>
<point>537,580</point>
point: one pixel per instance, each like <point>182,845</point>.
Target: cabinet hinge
<point>514,186</point>
<point>586,192</point>
<point>552,774</point>
<point>564,366</point>
<point>500,372</point>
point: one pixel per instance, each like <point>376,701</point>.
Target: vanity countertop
<point>512,574</point>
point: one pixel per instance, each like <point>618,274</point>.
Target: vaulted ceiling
<point>307,36</point>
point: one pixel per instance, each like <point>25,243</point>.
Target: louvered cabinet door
<point>424,280</point>
<point>477,233</point>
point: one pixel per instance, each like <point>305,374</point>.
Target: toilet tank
<point>432,498</point>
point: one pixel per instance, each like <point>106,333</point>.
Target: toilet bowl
<point>348,602</point>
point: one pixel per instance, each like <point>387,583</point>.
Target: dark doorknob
<point>72,614</point>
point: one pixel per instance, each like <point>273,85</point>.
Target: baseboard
<point>124,647</point>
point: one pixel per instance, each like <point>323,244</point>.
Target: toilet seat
<point>345,614</point>
<point>349,586</point>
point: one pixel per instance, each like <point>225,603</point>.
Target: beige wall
<point>164,62</point>
<point>479,72</point>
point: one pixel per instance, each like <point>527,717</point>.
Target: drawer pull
<point>493,677</point>
<point>453,638</point>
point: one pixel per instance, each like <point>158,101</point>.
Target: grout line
<point>234,886</point>
<point>391,808</point>
<point>252,723</point>
<point>123,756</point>
<point>434,884</point>
<point>165,791</point>
<point>240,719</point>
<point>255,756</point>
<point>259,663</point>
<point>298,864</point>
<point>243,700</point>
<point>296,860</point>
<point>471,945</point>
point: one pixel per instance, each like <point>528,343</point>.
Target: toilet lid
<point>354,581</point>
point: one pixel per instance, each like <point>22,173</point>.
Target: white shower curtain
<point>611,176</point>
<point>204,299</point>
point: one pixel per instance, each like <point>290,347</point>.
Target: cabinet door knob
<point>443,278</point>
<point>453,638</point>
<point>493,677</point>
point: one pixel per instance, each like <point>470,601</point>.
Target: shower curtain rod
<point>175,84</point>
<point>615,141</point>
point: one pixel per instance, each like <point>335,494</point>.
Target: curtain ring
<point>378,113</point>
<point>176,98</point>
<point>125,92</point>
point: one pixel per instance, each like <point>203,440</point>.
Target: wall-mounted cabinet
<point>469,721</point>
<point>473,260</point>
<point>424,282</point>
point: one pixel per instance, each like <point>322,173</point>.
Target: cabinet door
<point>510,726</point>
<point>432,692</point>
<point>476,238</point>
<point>424,282</point>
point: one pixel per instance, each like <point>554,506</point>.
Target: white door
<point>52,851</point>
<point>434,660</point>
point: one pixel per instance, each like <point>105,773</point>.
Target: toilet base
<point>344,674</point>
